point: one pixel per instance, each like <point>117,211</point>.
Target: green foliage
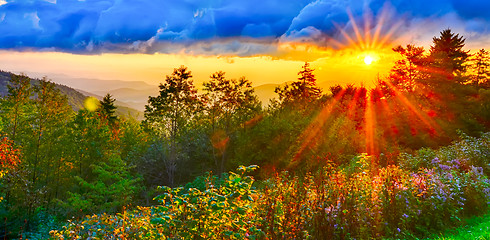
<point>170,111</point>
<point>230,103</point>
<point>361,200</point>
<point>112,188</point>
<point>217,209</point>
<point>477,228</point>
<point>16,105</point>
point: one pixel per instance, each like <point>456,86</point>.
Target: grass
<point>477,228</point>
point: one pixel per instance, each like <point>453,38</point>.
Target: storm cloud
<point>211,26</point>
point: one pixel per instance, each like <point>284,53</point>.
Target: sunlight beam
<point>313,130</point>
<point>356,30</point>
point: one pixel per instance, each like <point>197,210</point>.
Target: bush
<point>357,201</point>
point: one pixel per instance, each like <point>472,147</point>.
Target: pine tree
<point>409,69</point>
<point>447,55</point>
<point>481,68</point>
<point>302,91</point>
<point>107,109</point>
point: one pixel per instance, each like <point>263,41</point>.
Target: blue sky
<point>221,26</point>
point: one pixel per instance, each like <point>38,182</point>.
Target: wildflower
<point>444,167</point>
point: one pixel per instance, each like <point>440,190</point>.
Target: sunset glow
<point>368,60</point>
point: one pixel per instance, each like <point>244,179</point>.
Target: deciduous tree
<point>230,102</point>
<point>171,111</point>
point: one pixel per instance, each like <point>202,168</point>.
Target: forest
<point>408,158</point>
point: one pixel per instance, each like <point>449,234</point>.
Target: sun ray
<point>432,125</point>
<point>336,43</point>
<point>370,120</point>
<point>352,103</point>
<point>347,37</point>
<point>388,115</point>
<point>389,34</point>
<point>367,30</point>
<point>377,31</point>
<point>356,30</point>
<point>312,131</point>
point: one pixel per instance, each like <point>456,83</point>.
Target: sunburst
<point>369,42</point>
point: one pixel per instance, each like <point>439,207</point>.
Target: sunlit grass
<point>476,228</point>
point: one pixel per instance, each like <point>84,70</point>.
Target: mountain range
<point>131,96</point>
<point>75,97</point>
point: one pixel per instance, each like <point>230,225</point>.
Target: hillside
<point>133,97</point>
<point>75,98</point>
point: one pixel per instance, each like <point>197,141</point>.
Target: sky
<point>265,40</point>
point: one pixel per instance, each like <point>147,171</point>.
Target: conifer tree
<point>409,69</point>
<point>107,108</point>
<point>302,91</point>
<point>447,55</point>
<point>481,68</point>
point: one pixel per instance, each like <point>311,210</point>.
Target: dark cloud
<point>213,26</point>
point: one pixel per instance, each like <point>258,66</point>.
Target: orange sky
<point>336,66</point>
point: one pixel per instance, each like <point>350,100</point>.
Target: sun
<point>368,60</point>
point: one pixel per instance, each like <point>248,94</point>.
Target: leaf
<point>237,179</point>
<point>157,221</point>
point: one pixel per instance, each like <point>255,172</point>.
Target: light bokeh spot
<point>91,104</point>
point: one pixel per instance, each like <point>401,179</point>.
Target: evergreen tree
<point>302,91</point>
<point>107,109</point>
<point>447,55</point>
<point>112,188</point>
<point>409,69</point>
<point>481,68</point>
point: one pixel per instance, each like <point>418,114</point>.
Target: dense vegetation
<point>404,159</point>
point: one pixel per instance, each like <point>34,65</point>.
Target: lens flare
<point>91,104</point>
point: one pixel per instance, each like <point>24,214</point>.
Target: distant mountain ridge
<point>133,95</point>
<point>135,98</point>
<point>75,97</point>
<point>93,84</point>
